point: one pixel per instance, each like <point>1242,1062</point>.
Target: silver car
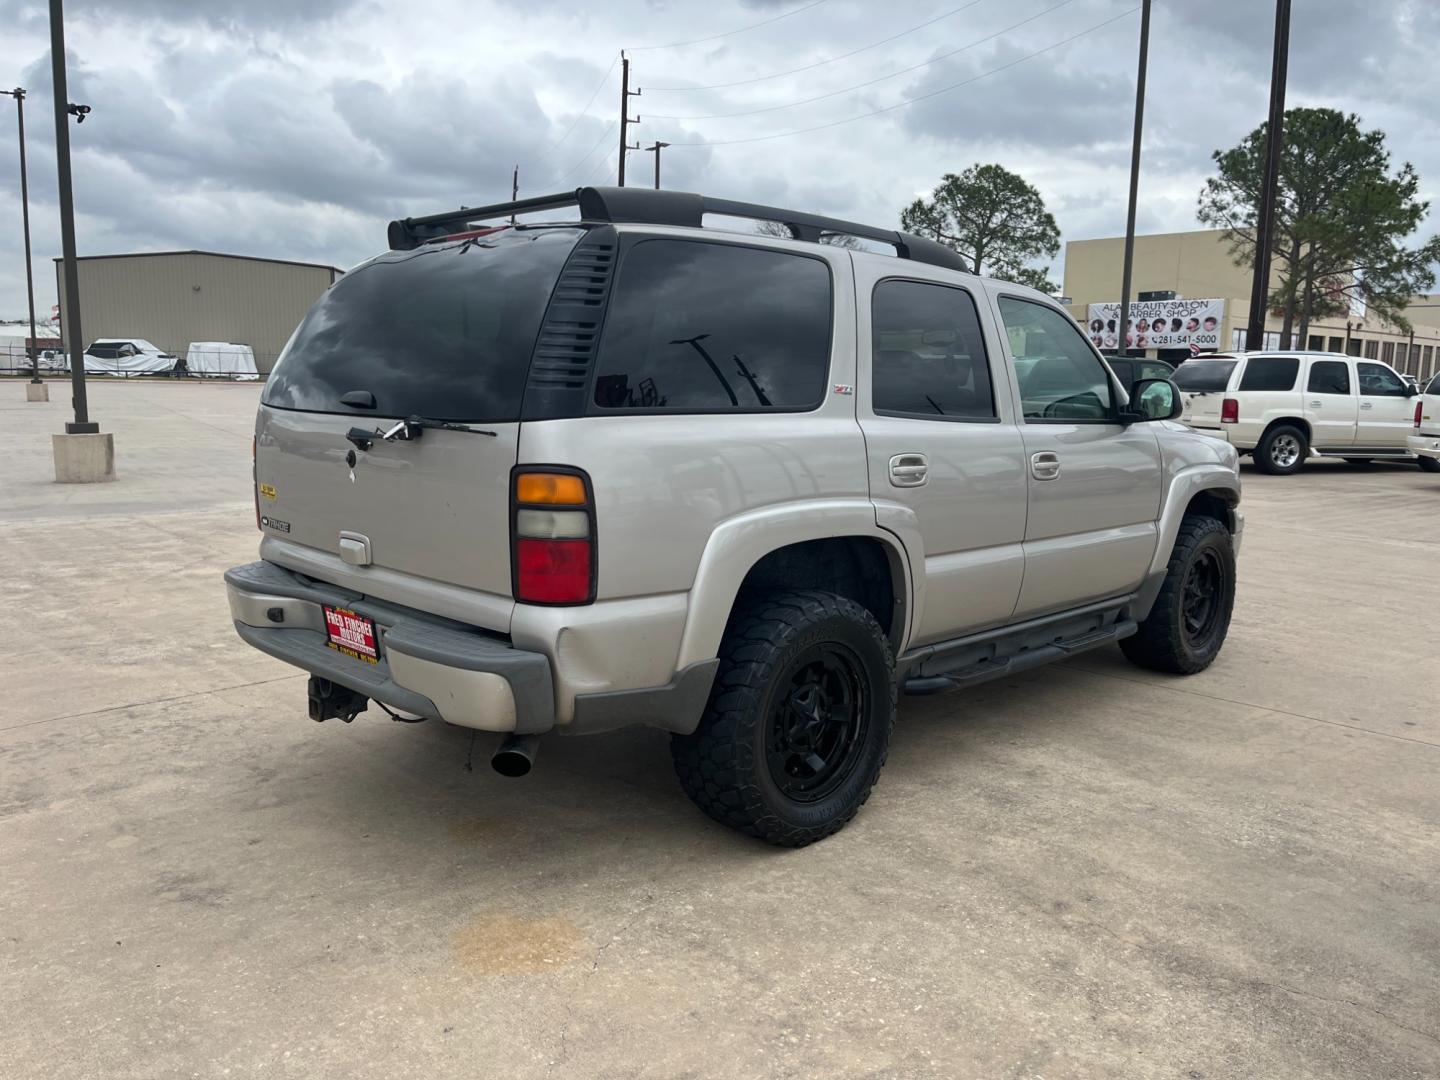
<point>630,469</point>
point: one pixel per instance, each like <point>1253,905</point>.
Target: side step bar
<point>1026,658</point>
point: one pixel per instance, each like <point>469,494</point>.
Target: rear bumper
<point>428,665</point>
<point>1424,445</point>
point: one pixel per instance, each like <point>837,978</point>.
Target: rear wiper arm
<point>412,427</point>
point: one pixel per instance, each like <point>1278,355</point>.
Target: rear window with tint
<point>445,331</point>
<point>696,326</point>
<point>1329,377</point>
<point>1270,373</point>
<point>1208,375</point>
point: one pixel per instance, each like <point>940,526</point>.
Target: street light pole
<point>82,424</point>
<point>19,95</point>
<point>1121,344</point>
<point>656,151</point>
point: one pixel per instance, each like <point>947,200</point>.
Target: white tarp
<point>222,358</point>
<point>1159,324</point>
<point>126,356</point>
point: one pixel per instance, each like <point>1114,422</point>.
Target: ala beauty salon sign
<point>1158,324</point>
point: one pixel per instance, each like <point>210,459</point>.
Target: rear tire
<point>1429,464</point>
<point>1186,627</point>
<point>1282,450</point>
<point>798,723</point>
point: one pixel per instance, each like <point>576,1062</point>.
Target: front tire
<point>798,723</point>
<point>1185,629</point>
<point>1429,464</point>
<point>1282,450</point>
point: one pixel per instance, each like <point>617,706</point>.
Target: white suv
<point>1424,442</point>
<point>1282,407</point>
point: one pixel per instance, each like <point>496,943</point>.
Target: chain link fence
<point>222,361</point>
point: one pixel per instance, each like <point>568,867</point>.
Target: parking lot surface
<point>1084,871</point>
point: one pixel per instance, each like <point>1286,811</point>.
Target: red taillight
<point>1230,411</point>
<point>552,528</point>
<point>1419,409</point>
<point>255,480</point>
<point>552,571</point>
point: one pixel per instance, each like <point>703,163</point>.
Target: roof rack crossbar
<point>647,206</point>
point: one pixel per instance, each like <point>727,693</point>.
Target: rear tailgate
<point>1202,385</point>
<point>444,333</point>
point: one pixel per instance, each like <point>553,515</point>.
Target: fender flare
<point>737,544</point>
<point>1184,486</point>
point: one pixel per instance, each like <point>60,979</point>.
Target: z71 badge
<point>275,523</point>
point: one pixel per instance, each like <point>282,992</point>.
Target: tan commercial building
<point>1196,266</point>
<point>172,298</point>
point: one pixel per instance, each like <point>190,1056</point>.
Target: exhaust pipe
<point>516,755</point>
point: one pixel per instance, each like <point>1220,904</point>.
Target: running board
<point>1027,657</point>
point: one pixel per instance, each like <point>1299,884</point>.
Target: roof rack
<point>647,206</point>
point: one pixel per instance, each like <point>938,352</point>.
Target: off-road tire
<point>1429,464</point>
<point>724,766</point>
<point>1270,445</point>
<point>1163,643</point>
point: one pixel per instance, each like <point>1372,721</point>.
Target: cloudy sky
<point>297,128</point>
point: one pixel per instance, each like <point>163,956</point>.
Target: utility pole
<point>1121,345</point>
<point>1269,187</point>
<point>625,95</point>
<point>34,352</point>
<point>656,151</point>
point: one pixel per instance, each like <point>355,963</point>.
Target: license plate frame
<point>351,634</point>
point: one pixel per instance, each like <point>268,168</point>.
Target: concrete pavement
<point>1086,871</point>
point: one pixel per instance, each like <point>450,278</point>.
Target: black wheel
<point>798,723</point>
<point>1282,450</point>
<point>1186,627</point>
<point>1429,464</point>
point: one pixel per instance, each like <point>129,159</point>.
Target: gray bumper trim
<point>676,706</point>
<point>406,631</point>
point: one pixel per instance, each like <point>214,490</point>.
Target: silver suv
<point>565,477</point>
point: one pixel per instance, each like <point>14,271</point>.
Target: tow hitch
<point>328,699</point>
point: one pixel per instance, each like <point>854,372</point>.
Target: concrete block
<point>37,391</point>
<point>84,459</point>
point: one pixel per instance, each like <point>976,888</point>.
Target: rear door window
<point>928,353</point>
<point>1210,376</point>
<point>444,331</point>
<point>1329,377</point>
<point>1270,373</point>
<point>699,326</point>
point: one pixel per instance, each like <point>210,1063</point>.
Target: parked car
<point>566,477</point>
<point>221,360</point>
<point>1284,407</point>
<point>127,356</point>
<point>1424,442</point>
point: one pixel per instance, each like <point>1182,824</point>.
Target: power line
<point>586,107</point>
<point>922,97</point>
<point>588,154</point>
<point>869,82</point>
<point>730,33</point>
<point>818,63</point>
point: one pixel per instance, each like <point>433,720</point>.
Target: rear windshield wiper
<point>407,430</point>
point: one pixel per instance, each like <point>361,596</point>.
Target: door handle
<point>909,470</point>
<point>1045,465</point>
<point>1367,405</point>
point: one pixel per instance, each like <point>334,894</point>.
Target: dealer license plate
<point>351,634</point>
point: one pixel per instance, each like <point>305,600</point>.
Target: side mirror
<point>1152,399</point>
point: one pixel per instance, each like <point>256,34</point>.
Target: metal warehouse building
<point>172,298</point>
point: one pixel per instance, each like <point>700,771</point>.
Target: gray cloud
<point>296,128</point>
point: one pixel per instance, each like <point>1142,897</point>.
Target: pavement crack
<point>1430,1036</point>
<point>151,701</point>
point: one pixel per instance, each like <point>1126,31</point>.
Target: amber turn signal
<point>549,489</point>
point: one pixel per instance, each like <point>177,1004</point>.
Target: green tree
<point>1341,219</point>
<point>994,219</point>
